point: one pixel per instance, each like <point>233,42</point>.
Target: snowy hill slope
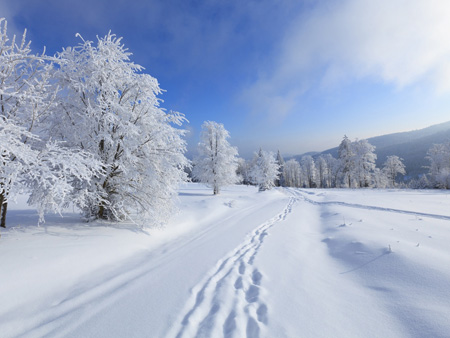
<point>412,146</point>
<point>283,263</point>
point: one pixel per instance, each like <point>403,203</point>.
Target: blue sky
<point>289,75</point>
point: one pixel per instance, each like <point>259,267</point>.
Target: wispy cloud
<point>397,42</point>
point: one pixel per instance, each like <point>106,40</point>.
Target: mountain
<point>411,146</point>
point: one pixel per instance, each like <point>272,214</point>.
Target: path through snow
<point>227,301</point>
<point>284,263</point>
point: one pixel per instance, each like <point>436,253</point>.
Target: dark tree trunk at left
<point>3,210</point>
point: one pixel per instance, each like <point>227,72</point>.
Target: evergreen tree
<point>281,179</point>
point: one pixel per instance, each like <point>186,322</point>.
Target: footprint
<point>230,325</point>
<point>242,268</point>
<point>238,283</point>
<point>262,313</point>
<point>252,328</point>
<point>261,237</point>
<point>252,294</point>
<point>256,277</point>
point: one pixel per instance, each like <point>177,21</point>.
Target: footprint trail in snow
<point>228,301</point>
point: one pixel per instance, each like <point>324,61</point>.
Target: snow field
<point>282,263</point>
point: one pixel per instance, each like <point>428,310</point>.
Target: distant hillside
<point>412,146</point>
<point>298,157</point>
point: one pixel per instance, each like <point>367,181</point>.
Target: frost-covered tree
<point>346,159</point>
<point>243,171</point>
<point>332,170</point>
<point>23,99</point>
<point>439,168</point>
<point>217,161</point>
<point>265,170</point>
<point>380,179</point>
<point>27,102</point>
<point>309,170</point>
<point>281,179</point>
<point>364,158</point>
<point>421,183</point>
<point>109,108</point>
<point>292,173</point>
<point>321,166</point>
<point>16,157</point>
<point>392,167</point>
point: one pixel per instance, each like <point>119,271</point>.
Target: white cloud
<point>397,42</point>
<point>7,11</point>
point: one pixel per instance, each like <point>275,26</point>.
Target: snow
<point>280,263</point>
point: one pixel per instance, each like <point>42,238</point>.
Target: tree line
<point>218,164</point>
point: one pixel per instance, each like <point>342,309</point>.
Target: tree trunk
<point>4,209</point>
<point>101,212</point>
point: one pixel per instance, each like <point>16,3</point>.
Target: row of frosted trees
<point>85,127</point>
<point>354,168</point>
<point>218,165</point>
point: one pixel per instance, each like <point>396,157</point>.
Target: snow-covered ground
<point>282,263</point>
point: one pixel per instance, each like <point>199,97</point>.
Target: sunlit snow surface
<point>281,263</point>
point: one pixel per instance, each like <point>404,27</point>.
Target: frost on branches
<point>111,110</point>
<point>392,167</point>
<point>217,161</point>
<point>364,162</point>
<point>27,100</point>
<point>265,170</point>
<point>439,169</point>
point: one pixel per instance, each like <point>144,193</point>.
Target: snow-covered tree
<point>439,168</point>
<point>332,170</point>
<point>265,170</point>
<point>280,180</point>
<point>217,163</point>
<point>421,183</point>
<point>364,158</point>
<point>16,157</point>
<point>321,166</point>
<point>110,109</point>
<point>27,101</point>
<point>243,171</point>
<point>392,167</point>
<point>23,90</point>
<point>346,159</point>
<point>380,179</point>
<point>309,170</point>
<point>292,173</point>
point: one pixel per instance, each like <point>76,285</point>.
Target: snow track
<point>366,207</point>
<point>241,264</point>
<point>229,300</point>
